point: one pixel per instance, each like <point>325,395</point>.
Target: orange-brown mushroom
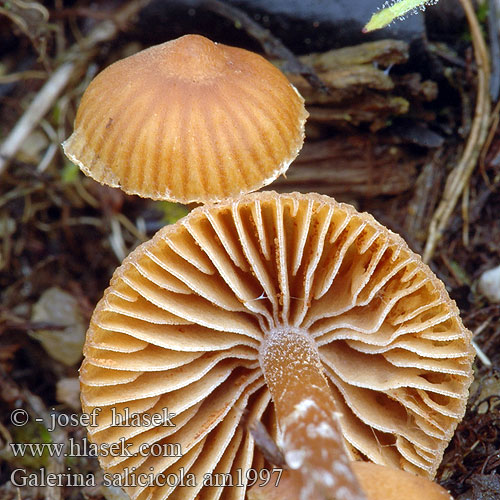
<point>378,482</point>
<point>311,317</point>
<point>189,120</point>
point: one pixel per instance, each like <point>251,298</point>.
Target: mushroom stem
<point>311,435</point>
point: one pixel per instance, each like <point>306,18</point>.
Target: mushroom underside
<point>184,320</point>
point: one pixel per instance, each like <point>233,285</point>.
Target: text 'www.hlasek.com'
<point>130,476</point>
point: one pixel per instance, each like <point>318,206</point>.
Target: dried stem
<point>460,175</point>
<point>76,57</point>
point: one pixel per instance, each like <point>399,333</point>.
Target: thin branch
<point>76,57</point>
<point>460,175</point>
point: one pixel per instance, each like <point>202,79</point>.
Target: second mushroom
<point>291,309</point>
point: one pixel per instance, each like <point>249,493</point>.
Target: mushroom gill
<point>291,309</point>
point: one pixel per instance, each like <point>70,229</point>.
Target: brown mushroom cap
<point>378,482</point>
<point>189,120</point>
<point>386,483</point>
<point>182,324</point>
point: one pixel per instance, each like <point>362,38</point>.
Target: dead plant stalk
<point>460,175</point>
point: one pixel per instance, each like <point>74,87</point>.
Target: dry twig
<point>459,176</point>
<point>76,57</point>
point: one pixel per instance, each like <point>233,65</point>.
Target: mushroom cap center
<point>191,58</point>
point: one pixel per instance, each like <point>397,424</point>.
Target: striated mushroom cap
<point>181,325</point>
<point>189,120</point>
